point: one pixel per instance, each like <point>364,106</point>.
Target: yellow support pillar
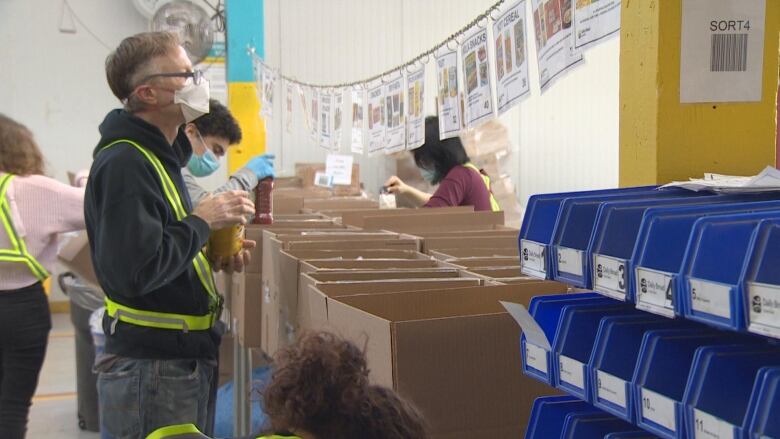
<point>662,140</point>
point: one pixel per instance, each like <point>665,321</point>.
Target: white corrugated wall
<point>564,140</point>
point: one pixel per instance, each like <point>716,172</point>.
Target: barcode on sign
<point>729,53</point>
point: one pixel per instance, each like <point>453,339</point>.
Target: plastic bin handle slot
<point>533,332</point>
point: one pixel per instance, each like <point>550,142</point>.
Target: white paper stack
<point>767,181</point>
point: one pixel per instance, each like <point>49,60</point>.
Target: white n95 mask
<point>194,100</point>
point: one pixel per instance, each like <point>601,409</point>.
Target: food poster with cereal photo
<point>555,49</point>
<point>595,21</point>
<point>415,118</point>
<point>325,121</point>
<point>395,129</point>
<point>476,72</point>
<point>448,100</point>
<point>511,66</point>
<point>338,103</point>
<point>357,135</point>
<point>376,119</point>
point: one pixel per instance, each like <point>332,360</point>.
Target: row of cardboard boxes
<point>672,378</point>
<point>418,288</point>
<point>707,257</point>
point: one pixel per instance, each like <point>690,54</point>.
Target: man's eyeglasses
<point>196,75</point>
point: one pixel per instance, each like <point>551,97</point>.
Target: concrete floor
<point>53,413</point>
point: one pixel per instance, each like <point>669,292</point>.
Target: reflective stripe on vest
<point>18,252</point>
<point>163,320</point>
<point>493,202</point>
<point>181,431</point>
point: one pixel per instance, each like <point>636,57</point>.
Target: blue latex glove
<point>262,166</point>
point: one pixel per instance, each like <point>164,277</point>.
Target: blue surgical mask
<point>204,165</point>
<point>428,175</point>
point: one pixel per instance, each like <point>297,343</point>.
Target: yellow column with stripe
<point>662,140</point>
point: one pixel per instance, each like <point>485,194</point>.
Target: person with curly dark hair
<point>320,390</point>
<point>211,135</point>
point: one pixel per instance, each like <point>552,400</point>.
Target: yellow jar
<point>226,242</point>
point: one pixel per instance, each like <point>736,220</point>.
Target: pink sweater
<point>41,208</point>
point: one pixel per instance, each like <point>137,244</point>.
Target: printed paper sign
<point>415,119</point>
<point>325,121</point>
<point>289,109</point>
<point>710,298</point>
<point>532,260</point>
<point>571,371</point>
<point>570,261</point>
<point>357,137</point>
<point>338,104</point>
<point>509,35</point>
<point>476,74</point>
<point>722,50</point>
<point>322,179</point>
<point>315,115</point>
<point>764,309</point>
<point>450,122</point>
<point>268,84</point>
<point>395,131</point>
<point>340,168</point>
<point>654,292</point>
<point>659,409</point>
<point>304,108</point>
<point>376,119</point>
<point>609,276</point>
<point>611,388</point>
<point>554,46</point>
<point>595,21</point>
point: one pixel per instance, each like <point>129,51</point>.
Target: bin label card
<point>571,371</point>
<point>611,388</point>
<point>764,312</point>
<point>710,297</point>
<point>659,409</point>
<point>654,292</point>
<point>707,426</point>
<point>609,276</point>
<point>532,259</point>
<point>536,357</point>
<point>570,261</point>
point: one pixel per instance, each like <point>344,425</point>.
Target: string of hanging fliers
<point>481,73</point>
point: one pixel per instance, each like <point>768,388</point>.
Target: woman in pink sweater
<point>34,209</point>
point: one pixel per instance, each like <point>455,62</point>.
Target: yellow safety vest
<point>493,202</point>
<point>190,431</point>
<point>18,252</point>
<point>162,320</point>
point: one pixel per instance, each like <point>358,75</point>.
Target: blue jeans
<point>138,396</point>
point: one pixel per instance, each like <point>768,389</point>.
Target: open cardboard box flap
<point>454,253</point>
<point>435,221</point>
<point>452,352</point>
<point>481,262</point>
<point>357,218</point>
<point>468,241</point>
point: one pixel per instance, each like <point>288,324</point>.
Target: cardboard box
<point>307,171</point>
<point>316,205</point>
<point>453,353</point>
<point>495,231</point>
<point>226,359</point>
<point>76,256</point>
<point>357,217</point>
<point>430,222</point>
<point>254,232</point>
<point>298,217</point>
<point>247,308</point>
<point>453,253</point>
<point>286,206</point>
<point>314,299</point>
<point>512,280</point>
<point>467,241</point>
<point>496,272</point>
<point>316,192</point>
<point>479,262</point>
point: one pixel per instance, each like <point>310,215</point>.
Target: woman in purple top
<point>445,162</point>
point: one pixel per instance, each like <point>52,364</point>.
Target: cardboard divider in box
<point>451,352</point>
<point>435,222</point>
<point>316,205</point>
<point>286,206</point>
<point>357,218</point>
<point>298,217</point>
<point>481,262</point>
<point>454,253</point>
<point>496,272</point>
<point>246,302</point>
<point>254,232</point>
<point>470,239</point>
<point>313,304</point>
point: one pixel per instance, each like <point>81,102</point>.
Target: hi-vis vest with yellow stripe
<point>493,202</point>
<point>161,320</point>
<point>190,431</point>
<point>18,252</point>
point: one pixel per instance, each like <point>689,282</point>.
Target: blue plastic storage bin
<point>613,361</point>
<point>546,310</point>
<point>761,286</point>
<point>615,234</point>
<point>661,376</point>
<point>593,426</point>
<point>763,421</point>
<point>719,388</point>
<point>539,221</point>
<point>574,340</point>
<point>660,247</point>
<point>575,226</point>
<point>714,267</point>
<point>549,413</point>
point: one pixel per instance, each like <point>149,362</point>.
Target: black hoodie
<point>142,254</point>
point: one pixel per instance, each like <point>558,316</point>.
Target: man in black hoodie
<point>147,243</point>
